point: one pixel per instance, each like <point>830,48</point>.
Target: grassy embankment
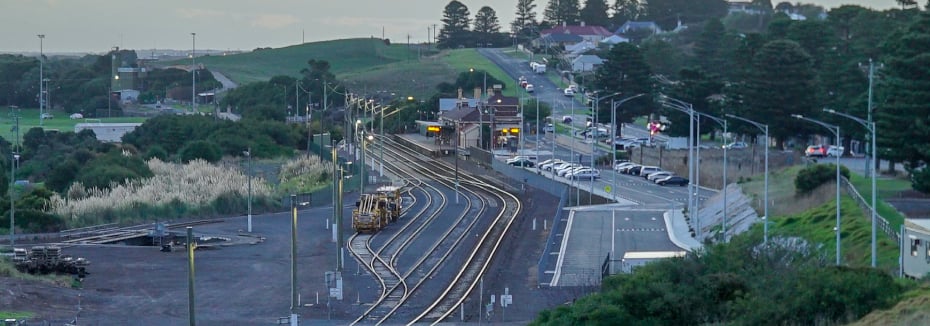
<point>29,118</point>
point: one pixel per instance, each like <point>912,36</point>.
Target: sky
<point>96,26</point>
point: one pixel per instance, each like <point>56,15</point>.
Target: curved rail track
<point>398,287</point>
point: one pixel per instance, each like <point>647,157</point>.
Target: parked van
<point>647,170</point>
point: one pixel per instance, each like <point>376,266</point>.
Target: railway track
<point>398,287</point>
<point>380,262</point>
<point>115,233</point>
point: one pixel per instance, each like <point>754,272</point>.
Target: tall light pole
<point>765,196</point>
<point>723,123</point>
<point>15,159</point>
<point>688,109</point>
<point>870,126</point>
<point>193,72</point>
<point>248,154</point>
<point>613,142</point>
<point>293,318</point>
<point>869,119</point>
<point>836,131</point>
<point>41,73</point>
<point>595,107</point>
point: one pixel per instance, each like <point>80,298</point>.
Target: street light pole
<point>41,88</point>
<point>870,126</point>
<point>293,318</point>
<point>248,154</point>
<point>765,196</point>
<point>15,159</point>
<point>193,72</point>
<point>723,123</point>
<point>613,141</point>
<point>688,109</point>
<point>836,131</point>
<point>596,106</point>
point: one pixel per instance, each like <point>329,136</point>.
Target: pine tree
<point>595,13</point>
<point>562,11</point>
<point>486,21</point>
<point>455,24</point>
<point>625,70</point>
<point>903,118</point>
<point>625,10</point>
<point>524,21</point>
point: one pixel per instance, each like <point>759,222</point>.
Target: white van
<point>647,170</point>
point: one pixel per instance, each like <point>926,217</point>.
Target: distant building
<point>590,33</point>
<point>744,7</point>
<point>586,63</point>
<point>635,26</point>
<point>107,132</point>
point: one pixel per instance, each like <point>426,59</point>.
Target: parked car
<point>47,116</point>
<point>634,170</point>
<point>626,169</point>
<point>618,166</point>
<point>647,170</point>
<point>522,162</point>
<point>736,145</point>
<point>586,173</point>
<point>672,180</point>
<point>658,175</point>
<point>521,157</point>
<point>549,128</point>
<point>567,168</point>
<point>835,151</point>
<point>75,116</point>
<point>815,151</point>
<point>547,166</point>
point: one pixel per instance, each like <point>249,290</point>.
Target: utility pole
<point>193,72</point>
<point>41,90</point>
<point>293,318</point>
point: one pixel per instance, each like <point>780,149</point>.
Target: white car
<point>835,151</point>
<point>658,175</point>
<point>569,92</point>
<point>521,158</point>
<point>547,166</point>
<point>619,166</point>
<point>647,170</point>
<point>584,173</point>
<point>76,116</point>
<point>530,88</point>
<point>567,168</point>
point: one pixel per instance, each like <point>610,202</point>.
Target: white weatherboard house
<point>107,132</point>
<point>915,248</point>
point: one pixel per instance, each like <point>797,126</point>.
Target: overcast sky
<point>98,25</point>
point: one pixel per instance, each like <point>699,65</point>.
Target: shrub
<point>205,150</point>
<point>816,175</point>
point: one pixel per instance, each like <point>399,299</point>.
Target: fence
<point>881,222</point>
<point>551,240</point>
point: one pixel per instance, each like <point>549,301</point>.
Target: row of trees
<point>793,67</point>
<point>82,84</point>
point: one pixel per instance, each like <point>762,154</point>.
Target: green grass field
<point>29,118</point>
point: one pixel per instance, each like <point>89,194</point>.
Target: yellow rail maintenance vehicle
<point>367,217</point>
<point>389,200</point>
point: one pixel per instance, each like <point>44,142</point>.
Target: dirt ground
<point>250,283</point>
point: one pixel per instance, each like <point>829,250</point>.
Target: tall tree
<point>782,83</point>
<point>625,10</point>
<point>904,116</point>
<point>595,13</point>
<point>667,13</point>
<point>524,22</point>
<point>486,21</point>
<point>625,71</point>
<point>708,48</point>
<point>455,24</point>
<point>562,11</point>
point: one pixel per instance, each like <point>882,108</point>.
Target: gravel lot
<point>250,283</point>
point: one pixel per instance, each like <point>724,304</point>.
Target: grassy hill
<point>364,65</point>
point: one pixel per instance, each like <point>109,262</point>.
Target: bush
<point>205,150</point>
<point>816,175</point>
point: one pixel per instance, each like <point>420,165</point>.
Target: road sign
<point>506,300</point>
<point>607,189</point>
